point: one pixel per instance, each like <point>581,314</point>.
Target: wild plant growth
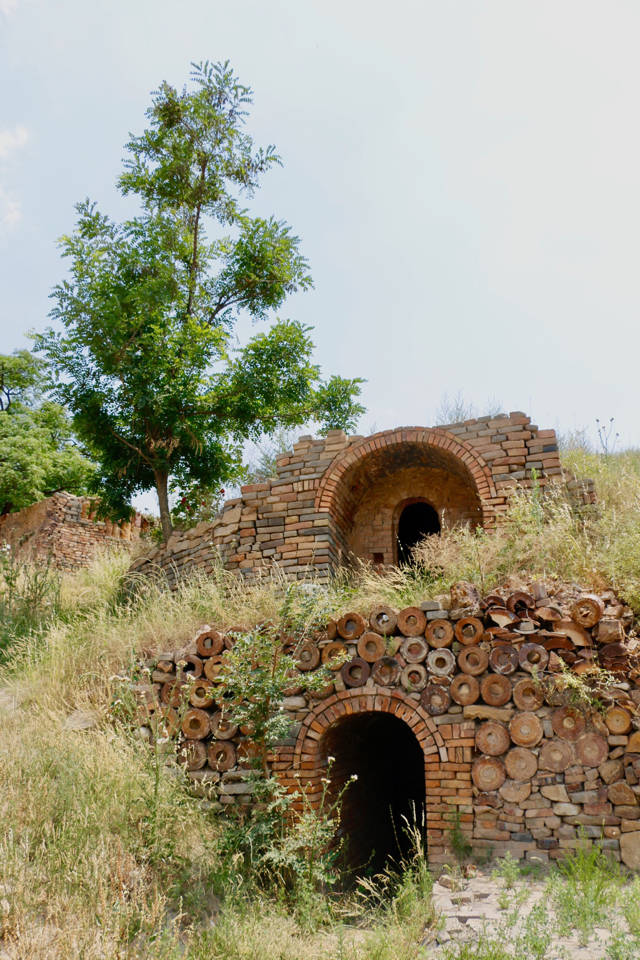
<point>106,853</point>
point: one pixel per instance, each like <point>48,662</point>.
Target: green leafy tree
<point>148,360</point>
<point>21,376</point>
<point>38,452</point>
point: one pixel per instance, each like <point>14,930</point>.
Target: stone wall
<point>65,531</point>
<point>518,758</point>
<point>337,496</point>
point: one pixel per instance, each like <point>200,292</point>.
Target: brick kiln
<point>491,713</point>
<point>339,497</point>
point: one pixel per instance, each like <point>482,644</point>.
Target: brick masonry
<point>65,531</point>
<point>338,497</point>
<point>532,772</point>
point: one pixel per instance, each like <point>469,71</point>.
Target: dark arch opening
<point>417,520</point>
<point>385,756</point>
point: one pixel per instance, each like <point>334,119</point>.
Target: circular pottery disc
<point>221,755</point>
<point>414,649</point>
<point>383,620</point>
<point>435,699</point>
<point>308,656</point>
<point>246,751</point>
<point>201,694</point>
<point>172,693</point>
<point>371,647</point>
<point>520,763</point>
<point>171,721</point>
<point>504,659</point>
<point>439,633</point>
<point>412,622</point>
<point>556,755</point>
<point>526,729</point>
<point>496,690</point>
<point>492,738</point>
<point>464,689</point>
<point>587,610</point>
<point>441,662</point>
<point>195,724</point>
<point>527,695</point>
<point>488,774</point>
<point>351,626</point>
<point>321,693</point>
<point>413,677</point>
<point>520,602</point>
<point>618,720</point>
<point>355,672</point>
<point>333,655</point>
<point>190,666</point>
<point>554,693</point>
<point>515,792</point>
<point>209,643</point>
<point>221,726</point>
<point>469,630</point>
<point>386,671</point>
<point>567,723</point>
<point>473,660</point>
<point>193,754</point>
<point>213,667</point>
<point>592,749</point>
<point>533,657</point>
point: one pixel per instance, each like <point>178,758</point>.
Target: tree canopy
<point>147,358</point>
<point>38,453</point>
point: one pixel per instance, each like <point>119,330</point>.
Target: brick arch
<point>447,750</point>
<point>329,492</point>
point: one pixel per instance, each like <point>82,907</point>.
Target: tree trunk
<point>162,489</point>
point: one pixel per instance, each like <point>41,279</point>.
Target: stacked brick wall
<point>333,497</point>
<point>64,531</point>
<point>376,518</point>
<point>509,752</point>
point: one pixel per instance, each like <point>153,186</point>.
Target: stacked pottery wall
<point>527,745</point>
<point>313,515</point>
<point>65,531</point>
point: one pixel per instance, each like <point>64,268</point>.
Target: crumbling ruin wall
<point>337,497</point>
<point>64,531</point>
<point>522,747</point>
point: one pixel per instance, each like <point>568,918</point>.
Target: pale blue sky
<point>464,177</point>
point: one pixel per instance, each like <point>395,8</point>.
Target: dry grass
<point>550,537</point>
<point>104,853</point>
<point>104,858</point>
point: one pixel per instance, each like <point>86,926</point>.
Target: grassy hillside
<point>106,855</point>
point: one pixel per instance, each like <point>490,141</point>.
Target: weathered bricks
<point>337,497</point>
<point>65,531</point>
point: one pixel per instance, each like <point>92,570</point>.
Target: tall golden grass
<point>102,857</point>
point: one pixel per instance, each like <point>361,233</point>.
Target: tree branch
<point>131,447</point>
<point>194,252</point>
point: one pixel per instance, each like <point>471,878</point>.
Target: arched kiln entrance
<point>414,520</point>
<point>446,755</point>
<point>384,802</point>
<point>364,487</point>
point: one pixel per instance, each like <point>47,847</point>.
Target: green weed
<point>508,870</point>
<point>584,889</point>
